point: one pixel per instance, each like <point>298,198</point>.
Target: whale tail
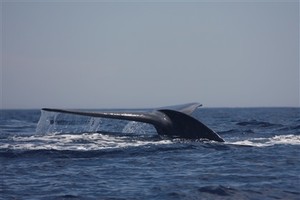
<point>173,121</point>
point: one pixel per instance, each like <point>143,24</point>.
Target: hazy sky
<point>71,54</point>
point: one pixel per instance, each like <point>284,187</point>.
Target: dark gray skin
<point>170,121</point>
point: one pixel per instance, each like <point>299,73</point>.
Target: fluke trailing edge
<point>175,121</point>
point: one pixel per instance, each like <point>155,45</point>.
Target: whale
<point>171,121</point>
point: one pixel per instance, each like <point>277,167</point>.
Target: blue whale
<point>172,121</point>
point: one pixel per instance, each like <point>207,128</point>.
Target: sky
<point>141,54</point>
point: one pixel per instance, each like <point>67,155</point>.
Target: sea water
<point>46,155</point>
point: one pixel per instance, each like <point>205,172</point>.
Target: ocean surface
<point>46,155</point>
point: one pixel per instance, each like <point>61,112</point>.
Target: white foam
<point>81,142</point>
<point>263,142</point>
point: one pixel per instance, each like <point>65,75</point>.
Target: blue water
<point>60,156</point>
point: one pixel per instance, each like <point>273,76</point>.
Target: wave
<point>264,142</point>
<point>218,190</point>
<point>257,123</point>
<point>230,131</point>
<point>290,128</point>
<point>234,192</point>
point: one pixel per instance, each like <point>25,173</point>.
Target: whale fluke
<point>173,121</point>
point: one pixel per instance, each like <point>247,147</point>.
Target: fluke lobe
<point>172,121</point>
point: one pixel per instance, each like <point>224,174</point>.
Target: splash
<point>139,127</point>
<point>51,122</point>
